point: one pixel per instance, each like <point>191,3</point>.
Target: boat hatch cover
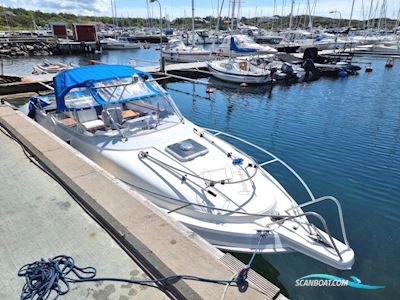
<point>186,150</point>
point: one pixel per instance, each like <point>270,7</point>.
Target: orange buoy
<point>243,85</point>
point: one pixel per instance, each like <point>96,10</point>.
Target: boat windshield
<point>245,39</point>
<point>128,106</point>
<point>175,44</point>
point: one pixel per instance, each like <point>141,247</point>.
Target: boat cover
<point>90,76</point>
<point>236,48</point>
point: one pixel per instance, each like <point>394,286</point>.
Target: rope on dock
<point>44,279</point>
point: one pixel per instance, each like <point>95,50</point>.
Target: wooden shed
<point>85,32</point>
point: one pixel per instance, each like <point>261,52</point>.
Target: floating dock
<point>36,83</point>
<point>102,223</point>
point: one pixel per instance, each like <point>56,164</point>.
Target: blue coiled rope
<point>53,277</point>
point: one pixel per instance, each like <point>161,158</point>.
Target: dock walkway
<point>38,219</point>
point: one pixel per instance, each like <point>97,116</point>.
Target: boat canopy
<point>106,84</point>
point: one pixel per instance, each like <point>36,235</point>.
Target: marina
<point>239,162</point>
<point>229,101</point>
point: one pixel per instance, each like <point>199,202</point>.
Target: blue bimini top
<point>94,77</point>
<point>235,47</point>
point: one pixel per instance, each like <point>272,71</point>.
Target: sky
<point>180,8</point>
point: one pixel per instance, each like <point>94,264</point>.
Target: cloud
<point>174,8</point>
<point>92,7</point>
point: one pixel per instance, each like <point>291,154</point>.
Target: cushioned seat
<point>88,118</point>
<point>130,114</point>
<point>94,124</point>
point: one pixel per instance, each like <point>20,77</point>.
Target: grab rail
<point>313,199</point>
<point>338,206</point>
<point>276,219</point>
<point>275,158</point>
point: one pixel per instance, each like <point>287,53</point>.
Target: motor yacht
<point>176,50</point>
<point>124,121</point>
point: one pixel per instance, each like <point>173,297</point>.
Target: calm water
<point>24,65</point>
<point>341,135</point>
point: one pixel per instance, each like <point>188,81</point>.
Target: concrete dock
<point>38,219</point>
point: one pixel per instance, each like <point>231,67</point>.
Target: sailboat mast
<point>112,14</point>
<point>115,13</point>
<point>193,33</point>
<point>233,14</point>
<point>398,19</point>
<point>370,13</point>
<point>291,16</point>
<point>351,13</point>
<point>273,16</point>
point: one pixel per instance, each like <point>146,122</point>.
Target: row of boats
<point>239,59</point>
<point>127,123</point>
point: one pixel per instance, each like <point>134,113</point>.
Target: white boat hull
<point>230,231</point>
<point>120,46</point>
<point>186,56</point>
<point>237,77</point>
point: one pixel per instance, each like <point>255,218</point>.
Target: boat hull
<point>232,232</point>
<point>238,78</point>
<point>186,56</point>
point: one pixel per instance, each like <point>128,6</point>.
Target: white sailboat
<point>238,70</point>
<point>177,51</point>
<point>240,44</point>
<point>122,43</point>
<point>123,120</point>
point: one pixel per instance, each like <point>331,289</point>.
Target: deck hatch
<point>186,150</point>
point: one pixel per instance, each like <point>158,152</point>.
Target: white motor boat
<point>379,49</point>
<point>201,37</point>
<point>123,120</point>
<point>177,51</point>
<point>119,44</point>
<point>281,70</point>
<point>48,67</point>
<point>239,45</point>
<point>238,70</point>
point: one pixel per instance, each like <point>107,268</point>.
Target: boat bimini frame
<point>276,219</point>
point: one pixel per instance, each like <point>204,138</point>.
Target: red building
<point>85,33</point>
<point>59,29</point>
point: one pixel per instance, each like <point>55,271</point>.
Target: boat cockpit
<point>118,106</point>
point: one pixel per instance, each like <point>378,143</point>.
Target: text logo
<point>330,280</point>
